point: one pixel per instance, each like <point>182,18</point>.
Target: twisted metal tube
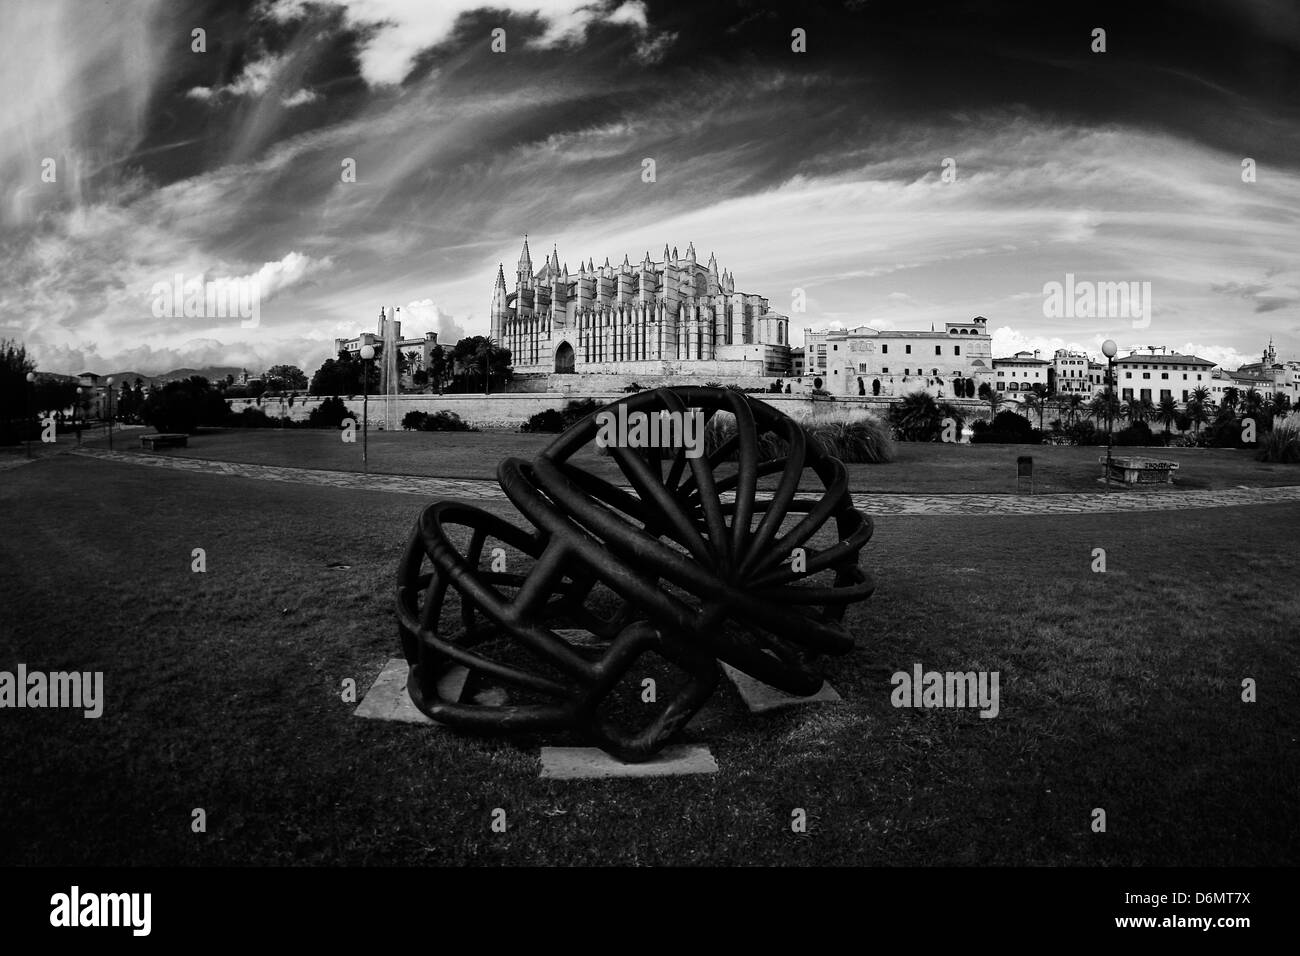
<point>694,556</point>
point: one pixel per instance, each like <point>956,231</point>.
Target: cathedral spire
<point>666,256</point>
<point>713,264</point>
<point>690,252</point>
<point>555,259</point>
<point>501,274</point>
<point>525,260</point>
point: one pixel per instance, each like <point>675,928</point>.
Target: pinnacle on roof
<point>690,252</point>
<point>666,256</point>
<point>525,260</point>
<point>555,259</point>
<point>565,274</point>
<point>501,274</point>
<point>675,256</point>
<point>591,266</point>
<point>713,263</point>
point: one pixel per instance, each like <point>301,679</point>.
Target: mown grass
<point>1118,690</point>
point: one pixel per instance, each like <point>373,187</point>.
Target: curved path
<point>874,504</point>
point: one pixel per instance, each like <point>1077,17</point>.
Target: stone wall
<point>510,410</point>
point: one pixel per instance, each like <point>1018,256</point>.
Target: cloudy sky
<point>819,170</point>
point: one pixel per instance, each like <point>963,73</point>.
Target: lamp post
<point>1108,348</point>
<point>31,379</point>
<point>367,354</point>
<point>110,413</point>
<point>76,421</point>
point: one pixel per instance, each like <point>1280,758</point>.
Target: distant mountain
<point>210,372</point>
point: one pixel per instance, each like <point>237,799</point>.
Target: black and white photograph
<point>608,434</point>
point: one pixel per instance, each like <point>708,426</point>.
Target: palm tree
<point>1231,396</point>
<point>1197,407</point>
<point>1033,401</point>
<point>1167,412</point>
<point>916,417</point>
<point>1252,403</point>
<point>1279,404</point>
<point>483,359</point>
<point>1073,406</point>
<point>1141,410</point>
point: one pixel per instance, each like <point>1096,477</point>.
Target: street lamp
<point>31,378</point>
<point>76,422</point>
<point>367,354</point>
<point>1108,349</point>
<point>110,413</point>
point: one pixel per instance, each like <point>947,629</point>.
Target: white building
<point>867,361</point>
<point>1156,374</point>
<point>1019,373</point>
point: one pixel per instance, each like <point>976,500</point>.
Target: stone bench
<point>1141,471</point>
<point>161,440</point>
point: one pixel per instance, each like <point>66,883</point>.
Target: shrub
<point>414,420</point>
<point>552,420</point>
<point>250,418</point>
<point>863,440</point>
<point>1137,433</point>
<point>328,414</point>
<point>1007,428</point>
<point>1282,444</point>
<point>634,387</point>
<point>444,421</point>
<point>1084,433</point>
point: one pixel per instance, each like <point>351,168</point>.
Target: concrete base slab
<point>761,698</point>
<point>387,698</point>
<point>589,763</point>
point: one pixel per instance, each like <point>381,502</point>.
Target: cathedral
<point>671,316</point>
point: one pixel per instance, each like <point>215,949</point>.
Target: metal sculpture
<point>697,565</point>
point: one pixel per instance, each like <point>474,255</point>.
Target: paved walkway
<point>1114,502</point>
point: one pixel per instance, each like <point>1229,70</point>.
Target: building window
<point>1146,374</point>
<point>885,370</point>
<point>1126,394</point>
<point>909,349</point>
<point>1164,375</point>
<point>938,350</point>
<point>884,350</point>
<point>956,350</point>
<point>1128,375</point>
<point>835,347</point>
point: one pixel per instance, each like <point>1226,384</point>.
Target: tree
<point>1279,404</point>
<point>916,417</point>
<point>183,406</point>
<point>284,378</point>
<point>1231,396</point>
<point>342,376</point>
<point>14,366</point>
<point>474,359</point>
<point>1197,406</point>
<point>985,390</point>
<point>1141,410</point>
<point>1167,412</point>
<point>1073,406</point>
<point>438,367</point>
<point>1034,402</point>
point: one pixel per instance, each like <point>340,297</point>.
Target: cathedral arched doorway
<point>564,359</point>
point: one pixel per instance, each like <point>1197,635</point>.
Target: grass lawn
<point>1118,690</point>
<point>930,468</point>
